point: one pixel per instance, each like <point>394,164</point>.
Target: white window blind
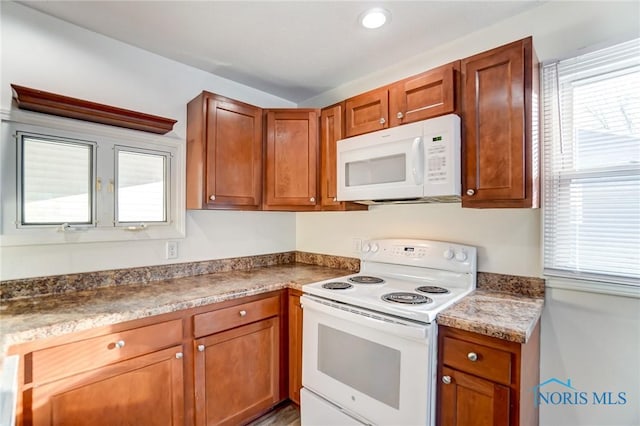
<point>591,119</point>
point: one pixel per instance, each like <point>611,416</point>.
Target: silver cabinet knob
<point>301,306</point>
<point>200,348</point>
<point>243,313</point>
<point>470,192</point>
<point>382,120</point>
<point>335,199</point>
<point>212,198</point>
<point>446,380</point>
<point>179,355</point>
<point>473,357</point>
<point>312,199</point>
<point>400,115</point>
<point>120,344</point>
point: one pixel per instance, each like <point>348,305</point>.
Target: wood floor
<point>284,415</point>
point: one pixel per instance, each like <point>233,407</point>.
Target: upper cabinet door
<point>367,112</point>
<point>499,146</point>
<point>330,133</point>
<point>224,154</point>
<point>423,96</point>
<point>291,160</point>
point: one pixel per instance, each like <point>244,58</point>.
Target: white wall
<point>48,54</point>
<point>594,340</point>
<point>507,239</point>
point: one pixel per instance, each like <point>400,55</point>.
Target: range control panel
<point>422,253</point>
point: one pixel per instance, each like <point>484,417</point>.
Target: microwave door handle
<point>417,160</point>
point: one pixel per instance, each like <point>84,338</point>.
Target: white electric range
<point>369,339</point>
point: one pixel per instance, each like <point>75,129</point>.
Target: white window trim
<point>569,280</point>
<point>592,286</point>
<point>107,137</point>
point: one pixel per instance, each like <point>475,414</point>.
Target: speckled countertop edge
<point>495,314</point>
<point>26,320</point>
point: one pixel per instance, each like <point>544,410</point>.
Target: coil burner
<point>365,279</point>
<point>406,298</point>
<point>430,289</point>
<point>337,285</point>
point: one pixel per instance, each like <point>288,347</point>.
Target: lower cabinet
<point>237,373</point>
<point>147,390</point>
<point>295,345</point>
<point>237,362</point>
<point>221,364</point>
<point>125,375</point>
<point>486,381</point>
<point>471,400</point>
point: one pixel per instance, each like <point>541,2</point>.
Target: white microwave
<point>417,162</point>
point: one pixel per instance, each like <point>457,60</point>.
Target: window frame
<point>106,139</point>
<point>167,184</point>
<point>562,276</point>
<point>20,136</point>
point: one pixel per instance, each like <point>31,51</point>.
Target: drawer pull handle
<point>473,357</point>
<point>200,348</point>
<point>179,355</point>
<point>120,344</point>
<point>243,313</point>
<point>446,380</point>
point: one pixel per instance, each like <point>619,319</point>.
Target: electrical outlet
<point>171,250</point>
<point>357,245</point>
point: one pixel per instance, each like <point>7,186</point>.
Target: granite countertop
<point>496,314</point>
<point>28,319</point>
<point>492,313</point>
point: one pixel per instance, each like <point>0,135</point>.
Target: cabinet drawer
<point>492,364</point>
<point>72,358</point>
<point>234,316</point>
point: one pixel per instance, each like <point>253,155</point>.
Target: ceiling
<point>295,50</point>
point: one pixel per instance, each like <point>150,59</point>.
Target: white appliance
<point>417,162</point>
<point>369,339</point>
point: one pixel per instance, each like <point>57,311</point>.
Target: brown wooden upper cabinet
<point>224,154</point>
<point>367,112</point>
<point>331,131</point>
<point>429,94</point>
<point>291,160</point>
<point>426,95</point>
<point>500,137</point>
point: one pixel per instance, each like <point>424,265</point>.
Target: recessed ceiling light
<point>375,18</point>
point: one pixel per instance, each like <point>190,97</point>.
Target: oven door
<point>388,164</point>
<point>376,368</point>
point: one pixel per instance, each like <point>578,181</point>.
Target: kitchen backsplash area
<point>60,284</point>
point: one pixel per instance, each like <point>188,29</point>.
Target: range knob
<point>448,254</point>
<point>374,247</point>
<point>461,256</point>
<point>366,247</point>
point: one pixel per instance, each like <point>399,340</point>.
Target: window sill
<point>614,289</point>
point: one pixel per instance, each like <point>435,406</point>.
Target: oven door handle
<point>368,319</point>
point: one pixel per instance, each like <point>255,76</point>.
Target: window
<point>141,182</point>
<point>592,166</point>
<point>69,181</point>
<point>55,181</point>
